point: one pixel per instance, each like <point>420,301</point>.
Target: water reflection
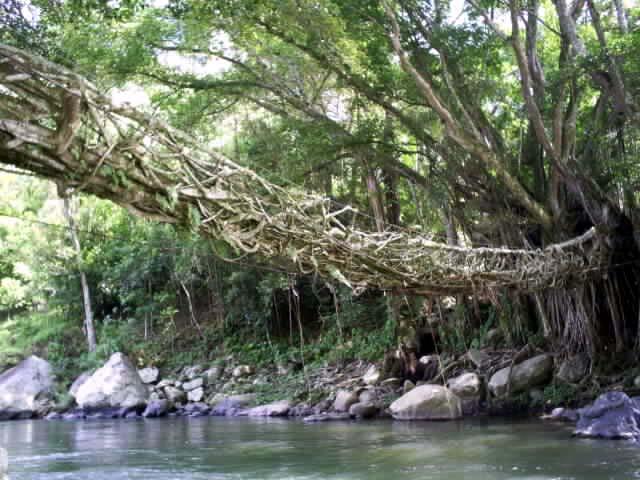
<point>214,448</point>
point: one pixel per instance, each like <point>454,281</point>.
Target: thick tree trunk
<point>86,296</point>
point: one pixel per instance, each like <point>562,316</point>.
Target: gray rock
<point>573,369</point>
<point>167,382</point>
<point>528,374</point>
<point>26,389</point>
<point>212,375</point>
<point>301,410</point>
<point>478,357</point>
<point>363,410</point>
<point>196,409</point>
<point>344,400</point>
<point>193,384</point>
<point>242,371</point>
<point>175,395</point>
<point>192,372</point>
<point>77,383</point>
<point>275,409</point>
<point>149,374</point>
<point>367,396</point>
<point>427,402</point>
<point>156,409</point>
<point>468,387</point>
<point>327,417</point>
<point>372,375</point>
<point>613,415</point>
<point>155,396</point>
<point>196,395</point>
<point>116,384</point>
<point>322,406</point>
<point>230,406</point>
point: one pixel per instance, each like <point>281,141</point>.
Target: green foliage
<point>560,394</point>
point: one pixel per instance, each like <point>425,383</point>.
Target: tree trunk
<point>86,297</point>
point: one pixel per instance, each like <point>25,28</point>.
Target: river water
<point>232,448</point>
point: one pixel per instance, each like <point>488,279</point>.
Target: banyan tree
<point>562,237</point>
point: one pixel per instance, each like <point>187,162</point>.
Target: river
<point>239,448</point>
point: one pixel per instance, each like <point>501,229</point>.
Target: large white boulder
<point>427,402</point>
<point>116,384</point>
<point>530,373</point>
<point>26,389</point>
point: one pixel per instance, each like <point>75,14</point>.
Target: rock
<point>26,389</point>
<point>212,375</point>
<point>468,387</point>
<point>105,413</point>
<point>275,409</point>
<point>196,395</point>
<point>175,395</point>
<point>427,402</point>
<point>167,382</point>
<point>78,382</point>
<point>149,374</point>
<point>196,409</point>
<point>372,375</point>
<point>116,384</point>
<point>327,417</point>
<point>192,372</point>
<point>322,406</point>
<point>193,384</point>
<point>530,373</point>
<point>51,416</point>
<point>562,414</point>
<point>301,410</point>
<point>242,371</point>
<point>230,406</point>
<point>478,357</point>
<point>408,386</point>
<point>613,415</point>
<point>573,369</point>
<point>156,409</point>
<point>363,410</point>
<point>344,399</point>
<point>367,396</point>
<point>430,367</point>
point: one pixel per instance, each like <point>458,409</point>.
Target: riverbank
<point>481,383</point>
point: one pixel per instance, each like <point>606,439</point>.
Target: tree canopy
<point>480,123</point>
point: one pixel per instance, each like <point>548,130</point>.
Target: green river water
<point>241,448</point>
